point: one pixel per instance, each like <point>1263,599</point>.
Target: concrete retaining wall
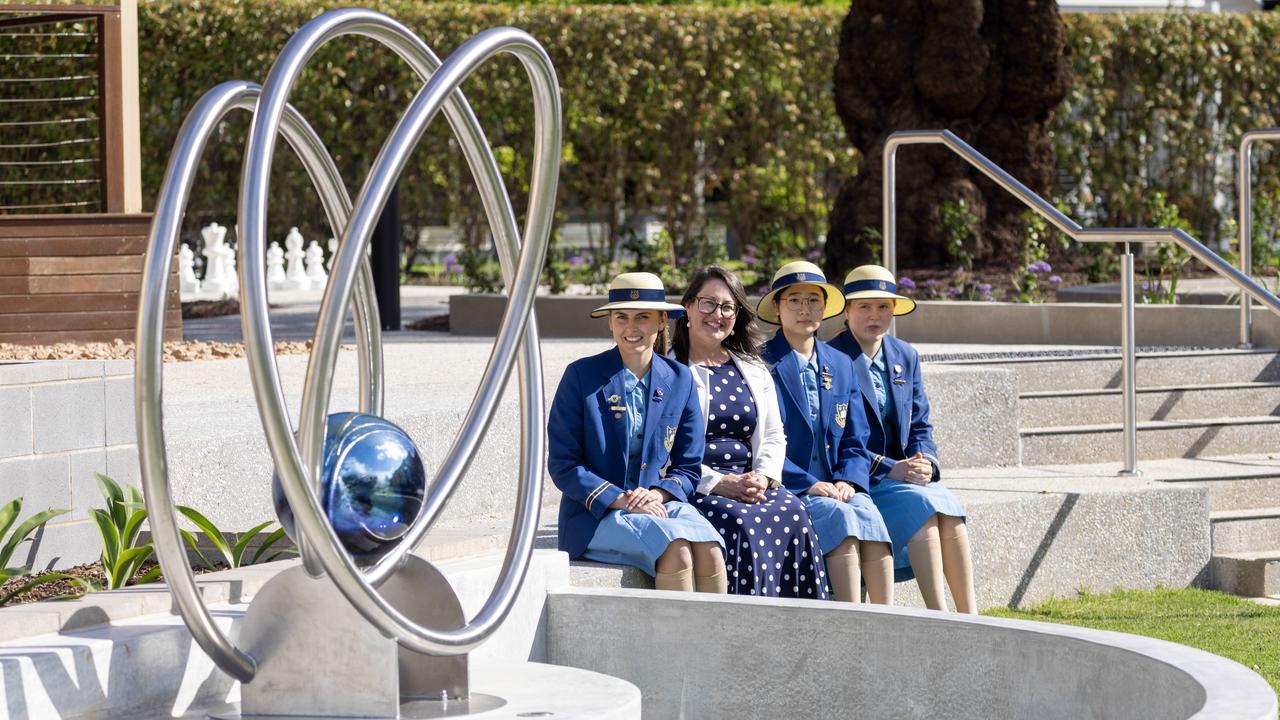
<point>935,321</point>
<point>707,657</point>
<point>64,420</point>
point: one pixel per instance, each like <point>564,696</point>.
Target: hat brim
<point>666,307</point>
<point>901,305</point>
<point>766,311</point>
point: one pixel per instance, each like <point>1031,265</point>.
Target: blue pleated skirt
<point>906,507</point>
<point>637,539</point>
<point>834,520</point>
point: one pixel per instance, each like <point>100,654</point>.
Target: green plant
<point>1170,258</point>
<point>120,530</point>
<point>233,554</point>
<point>18,535</point>
<point>1035,267</point>
<point>958,222</point>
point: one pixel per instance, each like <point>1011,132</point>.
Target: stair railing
<point>1042,207</point>
<point>1244,176</point>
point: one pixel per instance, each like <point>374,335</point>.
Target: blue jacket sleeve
<point>852,458</point>
<point>920,434</point>
<point>685,463</point>
<point>566,456</point>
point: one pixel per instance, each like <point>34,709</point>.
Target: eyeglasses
<point>708,306</point>
<point>804,303</point>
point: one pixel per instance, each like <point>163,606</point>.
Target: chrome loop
<point>297,463</point>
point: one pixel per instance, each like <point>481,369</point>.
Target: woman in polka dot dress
<point>770,545</point>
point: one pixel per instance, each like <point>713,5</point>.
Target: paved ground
<point>294,315</point>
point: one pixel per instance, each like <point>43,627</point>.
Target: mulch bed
<point>65,589</point>
<point>121,350</point>
<point>432,323</point>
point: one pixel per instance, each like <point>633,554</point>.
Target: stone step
<point>1051,408</point>
<point>1241,492</point>
<point>1156,439</point>
<point>1249,574</point>
<point>1154,369</point>
<point>1242,531</point>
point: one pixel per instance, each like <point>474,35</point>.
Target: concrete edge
<point>1230,688</point>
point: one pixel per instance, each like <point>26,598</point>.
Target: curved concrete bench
<point>690,655</point>
<point>706,656</point>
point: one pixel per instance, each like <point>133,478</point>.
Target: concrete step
<point>1244,531</point>
<point>1051,408</point>
<point>1154,369</point>
<point>1070,444</point>
<point>1241,492</point>
<point>1249,574</point>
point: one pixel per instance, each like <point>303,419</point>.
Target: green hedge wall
<point>670,106</point>
<point>664,108</point>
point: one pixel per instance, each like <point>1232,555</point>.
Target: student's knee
<point>677,557</point>
<point>951,527</point>
<point>708,555</point>
<point>847,547</point>
<point>926,531</point>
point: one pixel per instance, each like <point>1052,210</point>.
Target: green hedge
<point>667,107</point>
<point>663,108</point>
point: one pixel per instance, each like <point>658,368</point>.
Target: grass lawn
<point>1222,624</point>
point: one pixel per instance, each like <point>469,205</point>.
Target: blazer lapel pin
<point>826,378</point>
<point>897,375</point>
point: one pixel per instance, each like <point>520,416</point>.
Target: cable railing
<point>1240,278</point>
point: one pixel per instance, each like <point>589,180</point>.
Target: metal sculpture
<point>390,608</point>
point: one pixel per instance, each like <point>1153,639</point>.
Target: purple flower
<point>984,288</point>
<point>931,283</point>
<point>906,283</point>
<point>748,249</point>
<point>682,261</point>
<point>450,259</point>
<point>453,268</point>
<point>1039,266</point>
<point>576,260</point>
<point>814,254</point>
<point>748,260</point>
<point>953,292</point>
<point>1055,279</point>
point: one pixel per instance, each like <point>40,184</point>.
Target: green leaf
<point>22,532</point>
<point>108,534</point>
<point>8,514</point>
<point>210,531</point>
<point>43,580</point>
<point>149,576</point>
<point>191,541</point>
<point>132,526</point>
<point>10,573</point>
<point>127,566</point>
<point>114,496</point>
<point>270,540</point>
<point>237,553</point>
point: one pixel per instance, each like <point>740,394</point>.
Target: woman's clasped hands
<point>747,487</point>
<point>838,490</point>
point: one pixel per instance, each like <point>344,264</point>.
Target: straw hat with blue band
<point>799,272</point>
<point>873,281</point>
<point>637,291</point>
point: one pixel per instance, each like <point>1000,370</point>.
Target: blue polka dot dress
<point>770,547</point>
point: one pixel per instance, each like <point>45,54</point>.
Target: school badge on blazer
<point>842,413</point>
<point>670,438</point>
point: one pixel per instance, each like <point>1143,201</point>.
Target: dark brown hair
<point>741,341</point>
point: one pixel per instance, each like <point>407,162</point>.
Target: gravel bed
<point>121,350</point>
<point>1066,353</point>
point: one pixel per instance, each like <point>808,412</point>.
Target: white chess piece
<point>275,266</point>
<point>295,277</point>
<point>215,280</point>
<point>315,266</point>
<point>187,282</point>
<point>333,253</point>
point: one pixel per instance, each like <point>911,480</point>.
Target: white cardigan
<point>768,441</point>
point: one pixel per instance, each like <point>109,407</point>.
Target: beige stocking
<point>877,572</point>
<point>679,580</point>
<point>925,551</point>
<point>844,571</point>
<point>957,563</point>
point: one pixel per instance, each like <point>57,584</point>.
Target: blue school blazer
<point>914,434</point>
<point>587,443</point>
<point>843,419</point>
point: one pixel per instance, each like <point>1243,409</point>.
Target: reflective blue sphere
<point>372,485</point>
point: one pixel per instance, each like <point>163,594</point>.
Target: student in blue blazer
<point>826,428</point>
<point>626,438</point>
<point>926,521</point>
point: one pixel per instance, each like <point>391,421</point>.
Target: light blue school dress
<point>898,412</point>
<point>826,429</point>
<point>610,431</point>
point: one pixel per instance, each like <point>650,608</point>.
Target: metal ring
<point>520,262</point>
<point>171,205</point>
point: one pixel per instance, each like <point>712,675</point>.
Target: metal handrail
<point>1055,217</point>
<point>1244,175</point>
